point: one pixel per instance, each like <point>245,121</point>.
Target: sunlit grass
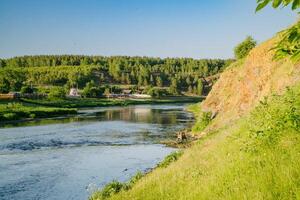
<point>249,159</point>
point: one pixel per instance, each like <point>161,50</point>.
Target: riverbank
<point>28,109</point>
<point>104,102</point>
<point>18,111</point>
<point>248,158</point>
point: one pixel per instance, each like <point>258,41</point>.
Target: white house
<point>74,92</point>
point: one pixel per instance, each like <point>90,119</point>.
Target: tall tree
<point>200,87</point>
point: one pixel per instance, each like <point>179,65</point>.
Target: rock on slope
<point>248,81</point>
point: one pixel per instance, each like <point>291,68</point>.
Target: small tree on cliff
<point>242,49</point>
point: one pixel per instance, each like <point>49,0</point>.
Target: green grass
<point>256,157</point>
<point>203,119</point>
<point>115,187</point>
<point>93,102</point>
<point>18,111</point>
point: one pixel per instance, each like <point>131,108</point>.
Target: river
<point>69,157</point>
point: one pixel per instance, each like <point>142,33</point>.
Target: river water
<point>69,157</point>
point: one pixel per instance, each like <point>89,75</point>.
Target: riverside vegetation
<point>170,80</point>
<point>254,154</point>
<point>17,111</point>
<point>255,158</point>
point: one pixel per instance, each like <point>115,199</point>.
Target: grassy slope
<point>244,156</point>
<point>234,162</point>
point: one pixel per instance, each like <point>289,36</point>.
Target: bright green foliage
<point>277,3</point>
<point>135,178</point>
<point>200,88</point>
<point>9,116</point>
<point>202,121</point>
<point>174,87</point>
<point>115,187</point>
<point>157,92</point>
<point>73,71</point>
<point>11,79</point>
<point>242,49</point>
<point>250,158</point>
<point>289,45</point>
<point>103,102</point>
<point>14,111</point>
<point>109,189</point>
<point>170,158</point>
<point>26,90</point>
<point>274,117</point>
<point>57,93</point>
<point>92,91</point>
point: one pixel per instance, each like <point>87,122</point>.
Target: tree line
<point>179,74</point>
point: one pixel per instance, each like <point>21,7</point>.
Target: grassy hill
<point>250,150</point>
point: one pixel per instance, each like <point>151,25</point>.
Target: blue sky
<point>160,28</point>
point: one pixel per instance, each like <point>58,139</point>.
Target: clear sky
<point>160,28</point>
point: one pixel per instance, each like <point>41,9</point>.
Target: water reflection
<point>156,114</point>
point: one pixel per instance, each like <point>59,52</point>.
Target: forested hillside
<point>179,74</point>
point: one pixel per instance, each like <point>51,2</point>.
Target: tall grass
<point>257,157</point>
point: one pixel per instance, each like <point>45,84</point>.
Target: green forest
<point>174,75</point>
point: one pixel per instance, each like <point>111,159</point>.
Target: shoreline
<point>172,157</point>
<point>30,106</point>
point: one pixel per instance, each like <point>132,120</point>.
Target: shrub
<point>273,117</point>
<point>92,92</point>
<point>157,92</point>
<point>202,121</point>
<point>242,49</point>
<point>57,93</point>
<point>32,115</point>
<point>170,158</point>
<point>115,187</point>
<point>135,179</point>
<point>26,90</point>
<point>111,188</point>
<point>10,116</point>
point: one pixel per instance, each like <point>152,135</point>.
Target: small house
<point>74,92</point>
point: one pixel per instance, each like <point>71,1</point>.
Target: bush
<point>111,188</point>
<point>135,178</point>
<point>242,49</point>
<point>92,92</point>
<point>26,90</point>
<point>202,121</point>
<point>10,116</point>
<point>157,92</point>
<point>170,158</point>
<point>57,93</point>
<point>32,115</point>
<point>115,187</point>
<point>273,117</point>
